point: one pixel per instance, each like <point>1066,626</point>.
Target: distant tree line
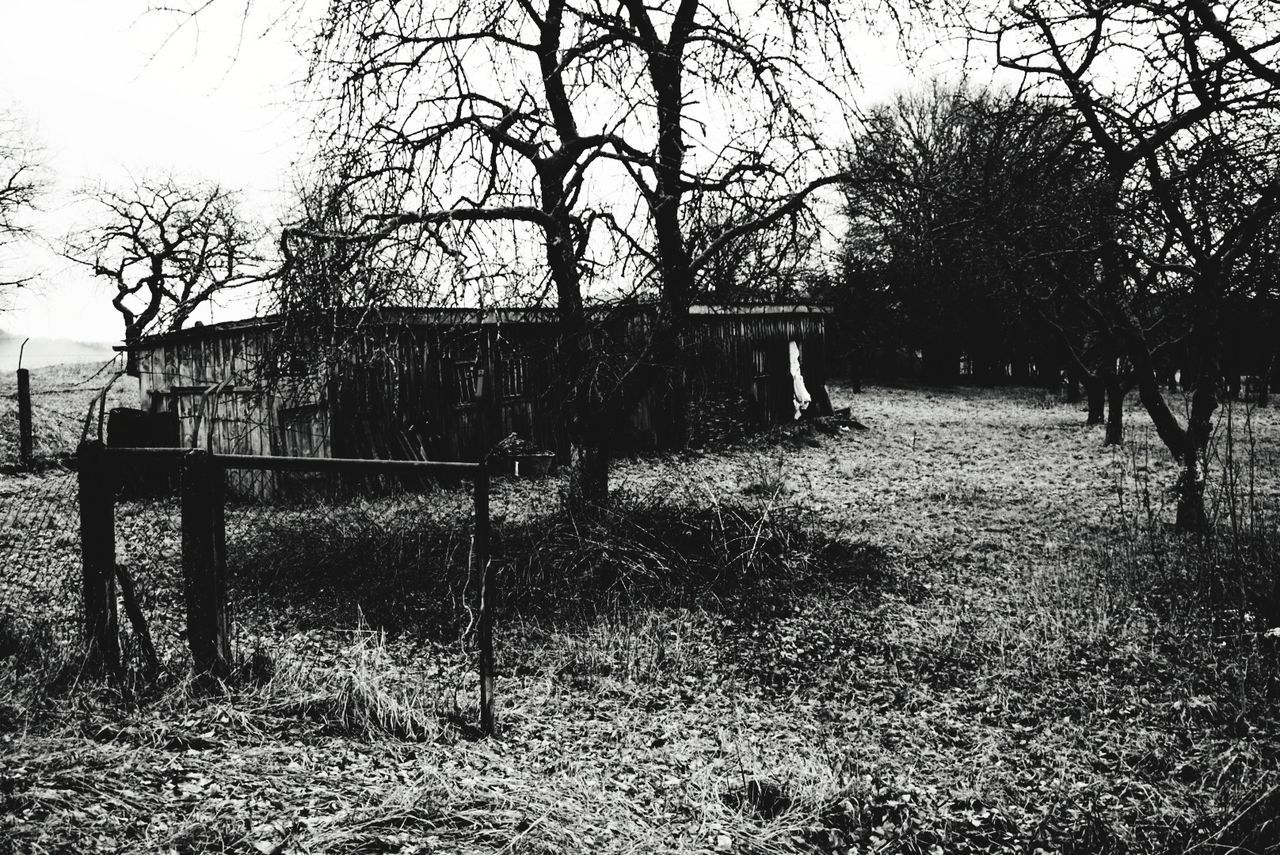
<point>974,230</point>
<point>1115,220</point>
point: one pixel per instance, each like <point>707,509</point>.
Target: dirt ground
<point>1006,665</point>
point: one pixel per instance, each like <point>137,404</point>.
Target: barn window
<point>465,376</point>
<point>292,364</point>
<point>510,379</point>
<point>512,375</point>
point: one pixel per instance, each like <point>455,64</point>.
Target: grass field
<point>60,398</point>
<point>966,629</point>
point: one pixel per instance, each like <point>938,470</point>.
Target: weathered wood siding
<point>752,353</point>
<point>737,374</point>
<point>406,388</point>
<point>213,380</point>
<point>410,391</point>
<point>178,372</point>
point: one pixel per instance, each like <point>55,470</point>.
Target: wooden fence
<point>204,565</point>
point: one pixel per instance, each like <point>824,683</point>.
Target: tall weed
<point>1216,594</point>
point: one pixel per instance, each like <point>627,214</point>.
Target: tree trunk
<point>132,336</point>
<point>1073,387</point>
<point>1205,359</point>
<point>855,370</point>
<point>579,404</point>
<point>589,454</point>
<point>1115,411</point>
<point>1187,446</point>
<point>1191,516</point>
<point>1096,393</point>
<point>1204,400</point>
<point>664,63</point>
<point>579,355</point>
<point>589,460</point>
<point>137,323</point>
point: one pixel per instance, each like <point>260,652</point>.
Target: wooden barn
<point>405,386</point>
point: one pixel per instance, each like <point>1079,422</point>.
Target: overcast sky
<point>108,98</point>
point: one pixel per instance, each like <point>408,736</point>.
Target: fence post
<point>98,556</point>
<point>488,599</point>
<point>24,416</point>
<point>204,569</point>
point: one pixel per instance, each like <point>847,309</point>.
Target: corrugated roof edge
<point>508,314</point>
<point>762,309</point>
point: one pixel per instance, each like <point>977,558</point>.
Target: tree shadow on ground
<point>747,560</point>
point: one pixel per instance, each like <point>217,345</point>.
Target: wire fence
<point>99,560</point>
<point>148,558</point>
<point>40,601</point>
<point>65,405</point>
<point>59,397</point>
<point>42,419</point>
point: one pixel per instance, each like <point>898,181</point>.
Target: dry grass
<point>1018,656</point>
<point>60,398</point>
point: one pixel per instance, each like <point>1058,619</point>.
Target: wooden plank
<point>338,464</point>
<point>98,557</point>
<point>24,416</point>
<point>204,568</point>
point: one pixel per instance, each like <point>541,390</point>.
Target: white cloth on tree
<point>799,395</point>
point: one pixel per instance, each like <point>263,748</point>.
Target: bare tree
<point>473,120</point>
<point>733,107</point>
<point>777,264</point>
<point>724,112</point>
<point>20,186</point>
<point>167,248</point>
<point>586,127</point>
<point>964,207</point>
<point>1179,97</point>
<point>327,277</point>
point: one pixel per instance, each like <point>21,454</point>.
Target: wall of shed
<point>737,377</point>
<point>179,374</point>
<point>751,353</point>
<point>407,390</point>
<point>411,391</point>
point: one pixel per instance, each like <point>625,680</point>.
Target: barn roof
<point>476,317</point>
